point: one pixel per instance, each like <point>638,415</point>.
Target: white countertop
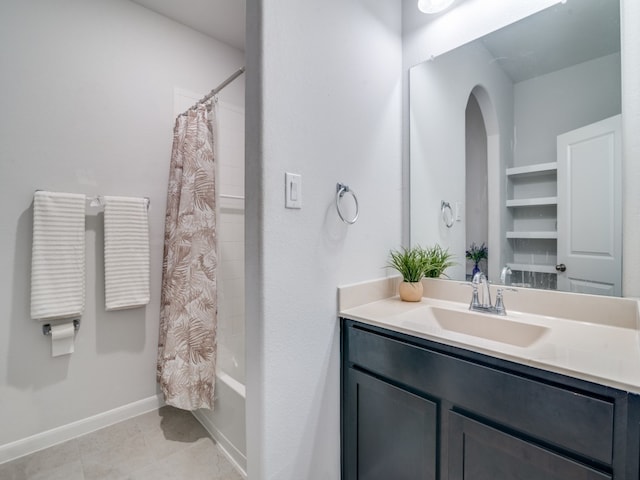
<point>604,348</point>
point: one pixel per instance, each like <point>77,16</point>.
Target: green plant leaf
<point>416,262</point>
<point>437,260</point>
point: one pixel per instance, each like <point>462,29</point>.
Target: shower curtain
<point>188,317</point>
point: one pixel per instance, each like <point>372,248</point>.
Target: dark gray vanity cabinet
<point>413,409</point>
<point>393,431</point>
<point>478,451</point>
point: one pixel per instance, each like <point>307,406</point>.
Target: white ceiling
<point>223,20</point>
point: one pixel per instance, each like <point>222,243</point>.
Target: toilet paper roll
<point>62,337</point>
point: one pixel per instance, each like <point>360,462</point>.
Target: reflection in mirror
<point>520,132</point>
<point>476,182</point>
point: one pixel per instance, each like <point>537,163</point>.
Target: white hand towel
<point>58,255</point>
<point>126,252</point>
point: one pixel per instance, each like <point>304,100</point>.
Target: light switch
<point>292,190</point>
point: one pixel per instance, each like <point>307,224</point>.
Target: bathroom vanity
<point>431,391</point>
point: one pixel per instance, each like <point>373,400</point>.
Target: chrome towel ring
<point>341,189</point>
<point>447,214</point>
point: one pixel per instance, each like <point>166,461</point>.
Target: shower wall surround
<point>87,95</point>
<point>227,422</point>
<point>231,241</point>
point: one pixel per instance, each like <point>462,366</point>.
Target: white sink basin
<point>490,327</point>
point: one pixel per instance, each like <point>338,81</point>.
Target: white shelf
<point>525,267</point>
<point>532,195</point>
<point>532,202</point>
<point>533,169</point>
<point>533,235</point>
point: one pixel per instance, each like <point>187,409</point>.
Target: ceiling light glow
<point>433,6</point>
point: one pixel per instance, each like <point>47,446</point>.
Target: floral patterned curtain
<point>188,316</point>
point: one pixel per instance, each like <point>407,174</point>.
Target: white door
<point>590,209</point>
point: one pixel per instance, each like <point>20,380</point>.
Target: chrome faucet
<point>499,308</point>
<point>503,274</point>
<point>480,281</point>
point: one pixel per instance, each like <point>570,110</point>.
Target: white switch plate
<point>292,190</point>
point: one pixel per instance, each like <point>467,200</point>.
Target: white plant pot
<point>411,291</point>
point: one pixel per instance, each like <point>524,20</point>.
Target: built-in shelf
<point>531,211</point>
<point>549,167</point>
<point>525,267</point>
<point>541,235</point>
<point>532,202</point>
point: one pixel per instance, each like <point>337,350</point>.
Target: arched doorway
<point>482,180</point>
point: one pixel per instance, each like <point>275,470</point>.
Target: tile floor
<point>166,444</point>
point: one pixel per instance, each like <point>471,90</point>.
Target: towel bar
<point>46,328</point>
<point>97,201</point>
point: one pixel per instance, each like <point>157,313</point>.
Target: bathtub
<point>226,423</point>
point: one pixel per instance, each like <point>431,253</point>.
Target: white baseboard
<point>49,438</point>
<point>235,456</point>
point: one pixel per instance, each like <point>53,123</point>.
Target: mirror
<point>515,142</point>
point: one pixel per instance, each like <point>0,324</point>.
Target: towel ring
<point>340,191</point>
<point>447,214</point>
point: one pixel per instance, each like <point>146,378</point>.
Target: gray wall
<point>552,104</point>
<point>323,101</point>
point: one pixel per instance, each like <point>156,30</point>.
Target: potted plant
<point>476,254</point>
<point>414,264</point>
<point>437,260</point>
<point>410,263</point>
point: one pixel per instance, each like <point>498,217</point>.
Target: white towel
<point>126,252</point>
<point>58,255</point>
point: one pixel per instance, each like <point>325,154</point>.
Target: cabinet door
<point>389,433</point>
<point>480,452</point>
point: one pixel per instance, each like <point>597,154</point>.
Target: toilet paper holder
<point>46,329</point>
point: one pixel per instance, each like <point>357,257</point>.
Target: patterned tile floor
<point>166,444</point>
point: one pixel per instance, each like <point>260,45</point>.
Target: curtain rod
<point>216,90</point>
